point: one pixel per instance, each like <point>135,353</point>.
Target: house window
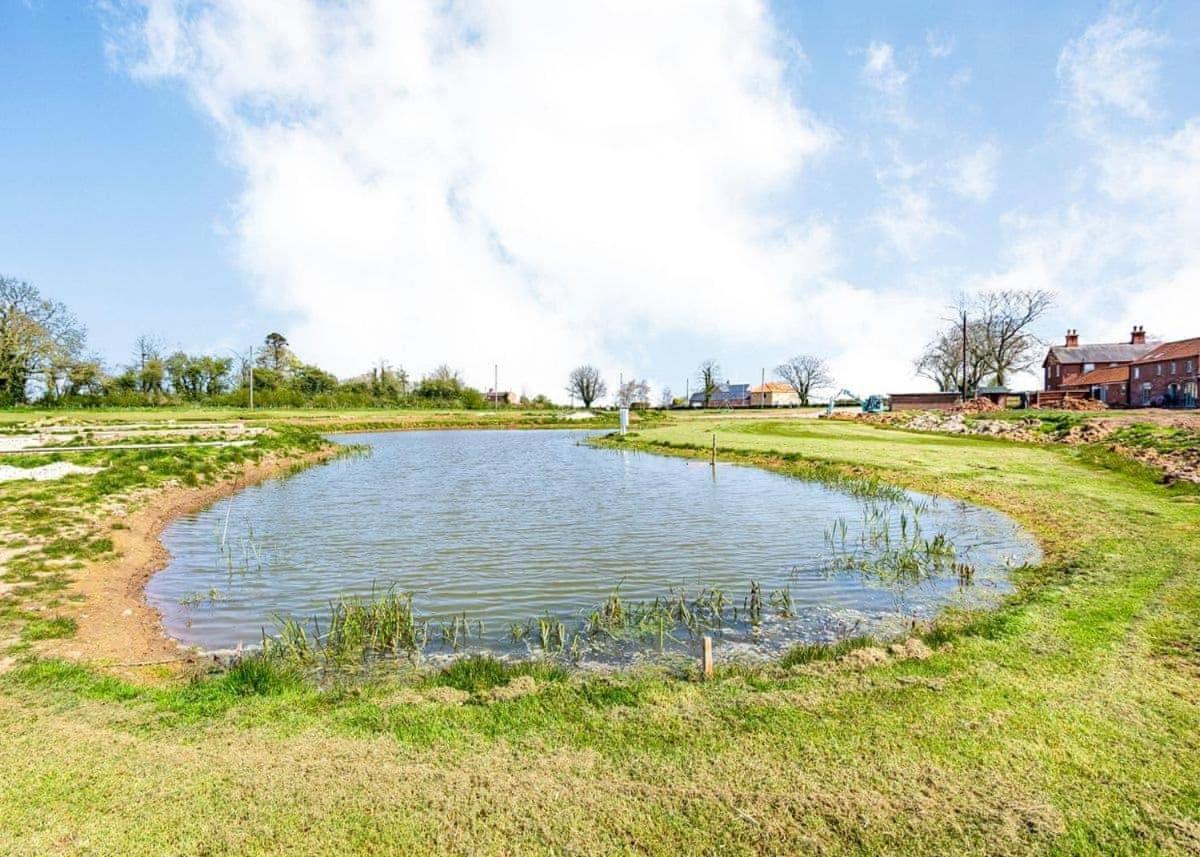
<point>1057,370</point>
<point>1172,367</point>
<point>1146,393</point>
<point>1158,369</point>
<point>1187,367</point>
<point>1088,367</point>
<point>1137,372</point>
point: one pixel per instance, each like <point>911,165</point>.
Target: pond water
<point>506,526</point>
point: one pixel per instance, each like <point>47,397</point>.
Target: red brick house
<point>1167,376</point>
<point>1064,362</point>
<point>1110,385</point>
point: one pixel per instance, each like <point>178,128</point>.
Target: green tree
<point>36,335</point>
<point>311,381</point>
<point>185,374</point>
<point>276,354</point>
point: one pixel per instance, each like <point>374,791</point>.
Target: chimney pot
<point>1072,338</point>
<point>1138,337</point>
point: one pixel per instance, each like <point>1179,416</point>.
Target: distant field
<point>400,416</point>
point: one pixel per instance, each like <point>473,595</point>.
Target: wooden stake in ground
<point>706,660</point>
<point>714,451</point>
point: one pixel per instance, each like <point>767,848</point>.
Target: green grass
<point>55,628</point>
<point>1067,721</point>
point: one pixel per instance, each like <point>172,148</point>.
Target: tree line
<point>804,373</point>
<point>44,360</point>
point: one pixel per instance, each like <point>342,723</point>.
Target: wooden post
<point>714,451</point>
<point>706,661</point>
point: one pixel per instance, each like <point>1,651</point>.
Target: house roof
<point>773,387</point>
<point>1108,352</point>
<point>725,393</point>
<point>1106,375</point>
<point>1179,350</point>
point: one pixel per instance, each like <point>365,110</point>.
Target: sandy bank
<point>116,625</point>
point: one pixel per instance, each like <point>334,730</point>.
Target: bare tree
<point>666,398</point>
<point>1006,316</point>
<point>988,340</point>
<point>708,374</point>
<point>942,361</point>
<point>37,335</point>
<point>633,392</point>
<point>585,383</point>
<point>805,373</point>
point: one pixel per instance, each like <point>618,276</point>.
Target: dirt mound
<point>1072,404</point>
<point>1181,465</point>
<point>865,658</point>
<point>976,406</point>
<point>911,649</point>
<point>1089,432</point>
<point>515,689</point>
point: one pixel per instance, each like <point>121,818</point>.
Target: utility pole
<point>762,386</point>
<point>495,384</point>
<point>963,391</point>
<point>250,369</point>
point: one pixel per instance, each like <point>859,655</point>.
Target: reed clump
<point>355,629</point>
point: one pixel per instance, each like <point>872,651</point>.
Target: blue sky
<point>539,185</point>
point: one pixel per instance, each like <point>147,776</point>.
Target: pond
<point>494,529</point>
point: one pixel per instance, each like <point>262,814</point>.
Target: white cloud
<point>529,183</point>
<point>1112,66</point>
<point>961,78</point>
<point>875,336</point>
<point>973,176</point>
<point>938,44</point>
<point>909,222</point>
<point>881,73</point>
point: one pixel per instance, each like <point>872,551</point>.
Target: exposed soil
<point>116,627</point>
<point>1176,464</point>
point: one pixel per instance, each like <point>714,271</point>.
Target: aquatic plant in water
<point>892,550</point>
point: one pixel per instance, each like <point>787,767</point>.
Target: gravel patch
<point>45,473</point>
<point>14,442</point>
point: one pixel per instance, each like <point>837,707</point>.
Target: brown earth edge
<point>117,628</point>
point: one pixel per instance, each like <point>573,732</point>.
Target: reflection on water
<point>511,530</point>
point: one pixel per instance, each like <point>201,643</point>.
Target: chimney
<point>1138,337</point>
<point>1072,339</point>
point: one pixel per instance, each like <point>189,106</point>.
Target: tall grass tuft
<point>807,653</point>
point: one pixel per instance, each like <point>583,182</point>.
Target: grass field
<point>1066,722</point>
<point>13,420</point>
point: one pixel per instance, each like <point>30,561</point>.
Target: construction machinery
<point>875,403</point>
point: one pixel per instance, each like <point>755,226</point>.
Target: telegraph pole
<point>250,368</point>
<point>964,354</point>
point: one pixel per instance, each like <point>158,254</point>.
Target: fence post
<point>706,659</point>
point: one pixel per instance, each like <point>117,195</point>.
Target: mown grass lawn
<point>1067,722</point>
